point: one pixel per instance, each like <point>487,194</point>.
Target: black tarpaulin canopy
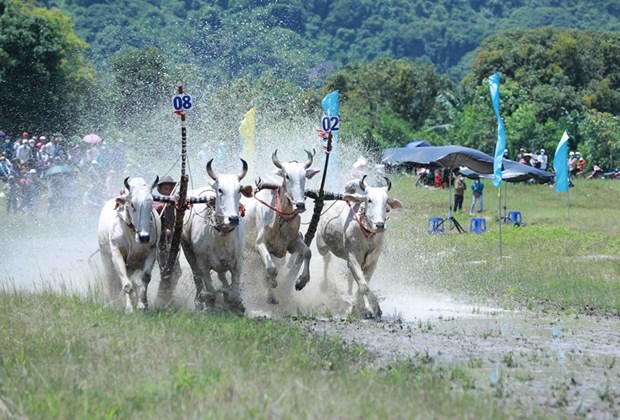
<point>513,172</point>
<point>440,157</point>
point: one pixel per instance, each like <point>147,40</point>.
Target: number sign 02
<point>330,123</point>
<point>181,102</point>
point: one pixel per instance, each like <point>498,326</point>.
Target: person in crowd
<point>92,200</point>
<point>520,156</point>
<point>572,164</point>
<point>24,154</point>
<point>595,172</point>
<point>477,188</point>
<point>438,178</point>
<point>31,191</point>
<point>459,190</point>
<point>581,164</point>
<point>11,195</point>
<point>534,159</point>
<point>6,169</point>
<point>543,159</point>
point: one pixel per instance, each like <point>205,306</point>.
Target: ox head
<point>294,175</point>
<point>138,202</point>
<point>375,202</point>
<point>228,190</point>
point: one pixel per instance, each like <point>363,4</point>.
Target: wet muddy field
<point>562,364</point>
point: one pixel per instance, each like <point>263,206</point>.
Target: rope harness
<point>358,218</point>
<point>287,216</point>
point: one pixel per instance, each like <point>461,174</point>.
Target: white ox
<point>213,237</point>
<point>129,230</point>
<point>273,218</point>
<point>354,231</point>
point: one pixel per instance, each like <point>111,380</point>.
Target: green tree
<point>44,75</point>
<point>601,132</point>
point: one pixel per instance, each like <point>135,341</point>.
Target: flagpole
<point>499,208</point>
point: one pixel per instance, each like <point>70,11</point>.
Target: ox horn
<point>310,157</point>
<point>275,160</point>
<point>126,183</point>
<point>362,183</point>
<point>155,183</point>
<point>211,172</point>
<point>388,182</point>
<point>244,170</point>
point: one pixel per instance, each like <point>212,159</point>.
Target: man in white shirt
<point>542,158</point>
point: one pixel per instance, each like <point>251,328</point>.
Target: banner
<point>560,164</point>
<point>500,145</point>
<point>248,136</point>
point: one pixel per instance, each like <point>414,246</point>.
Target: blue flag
<point>501,133</point>
<point>330,107</point>
<point>560,164</point>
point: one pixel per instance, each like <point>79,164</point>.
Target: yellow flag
<point>248,136</point>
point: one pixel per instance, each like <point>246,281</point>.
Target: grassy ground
<point>66,358</point>
<point>568,257</point>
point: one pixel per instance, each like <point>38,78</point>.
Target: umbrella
<point>59,169</point>
<point>92,138</point>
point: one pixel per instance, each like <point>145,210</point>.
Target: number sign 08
<point>181,102</point>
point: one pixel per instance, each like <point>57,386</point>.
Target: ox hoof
<point>142,306</point>
<point>128,310</point>
<point>301,282</point>
<point>237,307</point>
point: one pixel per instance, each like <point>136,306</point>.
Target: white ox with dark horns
<point>274,218</point>
<point>213,237</point>
<point>354,231</point>
<point>129,230</point>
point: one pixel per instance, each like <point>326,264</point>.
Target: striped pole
<point>181,206</point>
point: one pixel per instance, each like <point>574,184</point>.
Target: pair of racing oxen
<point>214,233</point>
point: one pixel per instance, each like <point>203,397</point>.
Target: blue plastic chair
<point>434,226</point>
<point>478,225</point>
<point>515,217</point>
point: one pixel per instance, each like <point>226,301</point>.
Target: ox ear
<point>394,203</point>
<point>279,172</point>
<point>311,172</point>
<point>356,198</point>
<point>247,190</point>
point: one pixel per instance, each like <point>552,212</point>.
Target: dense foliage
<point>44,76</point>
<point>392,61</point>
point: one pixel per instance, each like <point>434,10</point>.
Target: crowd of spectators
<point>34,168</point>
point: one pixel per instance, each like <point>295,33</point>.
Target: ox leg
<point>199,279</point>
<point>368,272</point>
<point>234,298</point>
<point>272,271</point>
<point>302,249</point>
<point>321,246</point>
<point>126,285</point>
<point>146,279</point>
<point>362,285</point>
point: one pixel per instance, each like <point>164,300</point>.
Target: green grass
<point>65,358</point>
<point>571,258</point>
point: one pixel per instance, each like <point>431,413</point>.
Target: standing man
<point>167,213</point>
<point>477,188</point>
<point>542,158</point>
<point>459,189</point>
